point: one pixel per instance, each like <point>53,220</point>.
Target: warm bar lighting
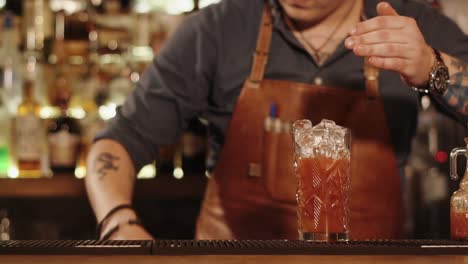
<point>13,172</point>
<point>69,6</point>
<point>173,7</point>
<point>48,112</point>
<point>142,52</point>
<point>107,112</point>
<point>76,112</point>
<point>142,7</point>
<point>80,172</point>
<point>178,173</point>
<point>147,172</point>
<point>135,77</point>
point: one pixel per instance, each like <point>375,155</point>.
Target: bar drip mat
<point>235,247</point>
<point>297,247</point>
<point>79,247</point>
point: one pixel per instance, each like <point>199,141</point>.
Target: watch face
<point>440,78</point>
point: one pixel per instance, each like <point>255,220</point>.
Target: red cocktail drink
<point>323,179</point>
<point>459,225</point>
<point>323,185</point>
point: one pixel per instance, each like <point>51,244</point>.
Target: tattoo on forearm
<point>457,93</point>
<point>105,162</point>
<point>460,65</point>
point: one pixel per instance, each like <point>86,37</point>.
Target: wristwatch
<point>439,78</point>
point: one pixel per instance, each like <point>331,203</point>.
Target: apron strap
<point>260,56</point>
<point>371,75</point>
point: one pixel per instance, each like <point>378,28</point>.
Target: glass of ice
<point>322,165</point>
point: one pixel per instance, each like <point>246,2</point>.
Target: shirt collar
<point>276,12</point>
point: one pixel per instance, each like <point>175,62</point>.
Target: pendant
<point>321,57</point>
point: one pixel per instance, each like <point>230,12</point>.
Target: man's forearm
<point>457,92</point>
<point>110,178</point>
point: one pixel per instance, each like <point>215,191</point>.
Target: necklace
<point>317,53</point>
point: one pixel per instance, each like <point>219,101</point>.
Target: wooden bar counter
<point>213,259</point>
<point>231,251</point>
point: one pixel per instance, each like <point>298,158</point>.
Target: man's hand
<point>393,42</point>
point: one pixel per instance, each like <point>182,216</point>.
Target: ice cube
<point>326,124</point>
<point>301,127</point>
<point>302,137</point>
<point>304,144</point>
<point>325,139</point>
<point>332,139</point>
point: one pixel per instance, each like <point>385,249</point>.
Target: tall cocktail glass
<point>322,163</point>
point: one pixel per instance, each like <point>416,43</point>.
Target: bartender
<point>361,63</point>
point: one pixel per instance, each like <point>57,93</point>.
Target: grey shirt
<point>200,72</point>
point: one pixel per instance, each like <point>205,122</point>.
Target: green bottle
<point>4,138</point>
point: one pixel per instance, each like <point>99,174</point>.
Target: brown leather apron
<point>252,192</point>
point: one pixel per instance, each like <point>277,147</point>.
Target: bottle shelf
<point>161,187</point>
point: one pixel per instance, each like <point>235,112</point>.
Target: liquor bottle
<point>37,24</point>
<point>4,138</point>
<point>90,86</point>
<point>459,201</point>
<point>5,225</point>
<point>29,134</point>
<point>120,87</point>
<point>63,136</point>
<point>140,51</point>
<point>58,47</point>
<point>37,30</point>
<point>10,66</point>
<point>93,35</point>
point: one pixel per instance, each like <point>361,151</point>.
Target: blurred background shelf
<point>162,187</point>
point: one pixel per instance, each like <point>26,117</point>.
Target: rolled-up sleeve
<point>443,34</point>
<point>171,91</point>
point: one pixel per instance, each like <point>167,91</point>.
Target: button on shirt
<point>201,70</point>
